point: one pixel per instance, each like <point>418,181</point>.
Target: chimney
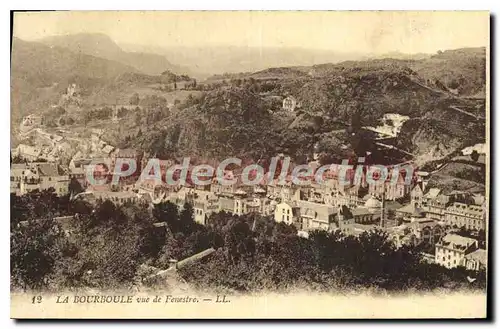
<point>382,209</point>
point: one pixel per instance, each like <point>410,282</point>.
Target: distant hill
<point>40,73</point>
<point>462,71</point>
<point>398,55</point>
<point>210,60</point>
<point>101,45</point>
<point>243,115</point>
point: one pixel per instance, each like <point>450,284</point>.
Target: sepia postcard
<point>249,164</point>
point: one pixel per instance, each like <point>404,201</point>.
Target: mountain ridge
<point>101,45</point>
<point>40,74</point>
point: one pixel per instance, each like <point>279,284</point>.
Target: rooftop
<point>433,193</point>
<point>360,211</point>
<point>480,255</point>
<point>457,242</point>
<point>49,169</point>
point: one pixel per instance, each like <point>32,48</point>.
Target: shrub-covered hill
<point>462,70</point>
<point>40,73</point>
<point>243,117</point>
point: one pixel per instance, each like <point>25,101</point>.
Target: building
<point>107,149</point>
<point>128,154</point>
<point>118,198</point>
<point>40,176</point>
<point>16,176</point>
<point>472,216</point>
<point>157,190</point>
<point>426,230</point>
<point>226,204</point>
<point>476,260</point>
<point>402,235</point>
<point>229,190</point>
<point>284,191</point>
<point>204,204</point>
<point>452,249</point>
<point>30,122</point>
<point>429,195</point>
<point>435,203</point>
<point>363,215</point>
<point>314,216</point>
<point>409,211</point>
<point>289,103</point>
<point>79,174</point>
<point>53,176</point>
<point>351,196</point>
<point>28,152</point>
<point>390,189</point>
<point>33,120</point>
<point>343,221</point>
<point>287,213</point>
<point>417,196</point>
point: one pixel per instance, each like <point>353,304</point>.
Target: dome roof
<point>372,203</point>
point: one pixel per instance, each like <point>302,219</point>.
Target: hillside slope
<point>336,102</point>
<point>101,45</point>
<point>39,74</point>
<point>462,71</point>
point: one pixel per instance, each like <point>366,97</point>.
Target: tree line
<point>104,245</point>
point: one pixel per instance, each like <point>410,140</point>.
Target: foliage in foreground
<point>106,244</point>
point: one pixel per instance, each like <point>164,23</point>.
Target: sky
<point>356,31</point>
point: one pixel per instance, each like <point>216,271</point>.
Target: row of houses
<point>28,177</point>
<point>456,208</point>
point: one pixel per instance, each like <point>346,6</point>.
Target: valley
<point>388,110</point>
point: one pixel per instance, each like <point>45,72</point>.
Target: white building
<point>287,213</point>
<point>452,249</point>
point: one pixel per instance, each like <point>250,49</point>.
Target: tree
<point>134,99</point>
<point>35,248</point>
<point>17,159</point>
<point>167,212</point>
<point>186,218</point>
<point>138,117</point>
<point>474,156</point>
<point>75,187</point>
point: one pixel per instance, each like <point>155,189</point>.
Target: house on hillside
<point>28,152</point>
<point>288,213</point>
<point>476,260</point>
<point>470,215</point>
<point>40,176</point>
<point>289,103</point>
<point>452,250</point>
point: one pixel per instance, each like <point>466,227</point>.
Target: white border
<point>191,5</point>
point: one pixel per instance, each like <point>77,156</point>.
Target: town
<point>450,223</point>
